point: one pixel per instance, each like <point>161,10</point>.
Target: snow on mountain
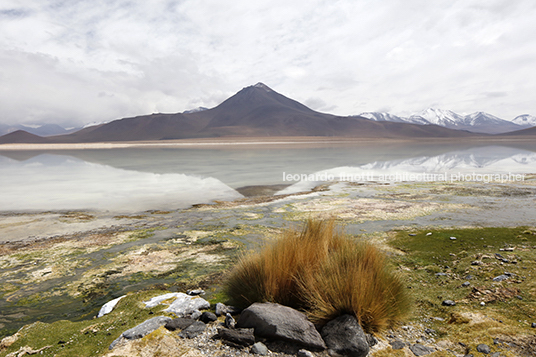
<point>382,117</point>
<point>195,110</point>
<point>525,120</point>
<point>478,122</point>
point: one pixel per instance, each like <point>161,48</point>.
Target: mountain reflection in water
<point>173,178</point>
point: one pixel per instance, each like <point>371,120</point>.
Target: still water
<point>172,178</point>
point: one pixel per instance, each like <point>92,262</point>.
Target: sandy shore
<point>253,141</point>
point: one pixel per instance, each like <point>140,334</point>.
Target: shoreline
<point>252,141</point>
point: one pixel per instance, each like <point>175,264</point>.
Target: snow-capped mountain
<point>195,110</point>
<point>478,122</point>
<point>36,129</point>
<point>382,117</point>
<point>525,120</point>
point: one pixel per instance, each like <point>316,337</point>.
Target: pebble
<point>429,233</point>
<point>305,353</point>
<point>452,238</point>
<point>483,348</point>
<point>259,349</point>
<point>482,303</point>
<point>448,303</point>
<point>533,325</point>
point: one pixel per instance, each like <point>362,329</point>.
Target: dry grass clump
<point>325,273</point>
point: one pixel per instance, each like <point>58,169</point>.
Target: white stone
<point>109,306</point>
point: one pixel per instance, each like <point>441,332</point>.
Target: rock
<point>142,329</point>
<point>371,340</point>
<point>501,277</point>
<point>482,303</point>
<point>109,306</point>
<point>259,349</point>
<point>533,325</point>
<point>222,309</point>
<point>281,322</point>
<point>430,331</point>
<point>208,316</point>
<point>448,303</point>
<point>193,330</point>
<point>466,284</point>
<point>452,238</point>
<point>441,274</point>
<point>179,323</point>
<point>420,350</point>
<point>155,301</point>
<point>185,305</point>
<point>229,321</point>
<point>345,336</point>
<point>483,348</point>
<point>397,345</point>
<point>429,233</point>
<point>195,292</point>
<point>496,354</point>
<point>237,337</point>
<point>305,353</point>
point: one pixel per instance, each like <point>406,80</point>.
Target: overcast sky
<point>79,61</point>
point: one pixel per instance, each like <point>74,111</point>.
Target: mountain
<point>38,129</point>
<point>478,122</point>
<point>255,111</point>
<point>523,132</point>
<point>525,120</point>
<point>21,136</point>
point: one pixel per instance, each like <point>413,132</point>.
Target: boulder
<point>185,305</point>
<point>141,330</point>
<point>237,337</point>
<point>180,323</point>
<point>109,306</point>
<point>345,336</point>
<point>208,316</point>
<point>281,322</point>
<point>193,330</point>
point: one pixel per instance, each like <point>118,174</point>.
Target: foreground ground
<point>449,239</point>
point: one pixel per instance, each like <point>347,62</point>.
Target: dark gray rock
<point>195,292</point>
<point>237,337</point>
<point>222,309</point>
<point>397,345</point>
<point>208,316</point>
<point>345,336</point>
<point>420,350</point>
<point>141,330</point>
<point>281,322</point>
<point>193,330</point>
<point>466,284</point>
<point>441,274</point>
<point>448,303</point>
<point>430,331</point>
<point>533,325</point>
<point>259,349</point>
<point>483,348</point>
<point>180,323</point>
<point>496,354</point>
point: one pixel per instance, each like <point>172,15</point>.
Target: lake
<point>137,179</point>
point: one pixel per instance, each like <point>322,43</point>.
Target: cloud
<point>58,58</point>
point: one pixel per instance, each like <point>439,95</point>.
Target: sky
<point>73,62</point>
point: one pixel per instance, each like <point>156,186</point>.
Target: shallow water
<point>138,179</point>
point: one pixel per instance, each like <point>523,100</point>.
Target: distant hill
<point>40,129</point>
<point>478,122</point>
<point>21,136</point>
<point>529,131</point>
<point>255,111</point>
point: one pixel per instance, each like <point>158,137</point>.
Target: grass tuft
<point>324,272</point>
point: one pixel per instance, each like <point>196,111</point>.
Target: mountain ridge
<point>254,111</point>
<point>477,122</point>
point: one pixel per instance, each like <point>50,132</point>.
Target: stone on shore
<point>345,336</point>
<point>141,330</point>
<point>281,322</point>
